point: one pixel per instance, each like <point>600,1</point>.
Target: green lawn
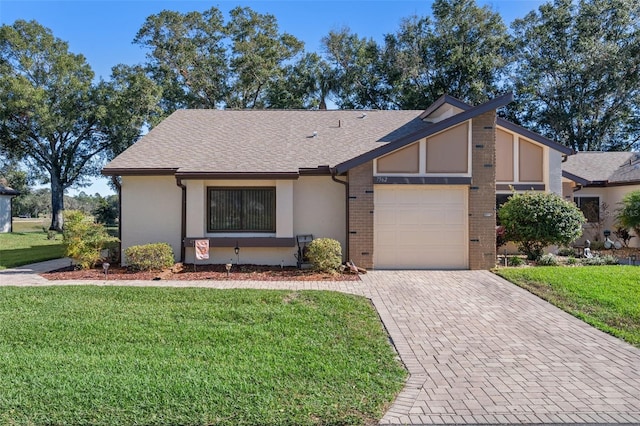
<point>607,297</point>
<point>166,356</point>
<point>21,248</point>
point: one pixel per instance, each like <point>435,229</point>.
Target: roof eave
<point>575,178</point>
<point>534,136</point>
<point>122,171</point>
<point>428,131</point>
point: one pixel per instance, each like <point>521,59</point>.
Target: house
<point>398,189</point>
<point>6,197</point>
<point>597,182</point>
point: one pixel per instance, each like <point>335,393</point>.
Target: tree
<point>107,210</point>
<point>463,51</point>
<point>200,61</point>
<point>577,73</point>
<point>535,220</point>
<point>628,215</point>
<point>358,77</point>
<point>49,108</point>
<point>17,179</point>
<point>54,118</point>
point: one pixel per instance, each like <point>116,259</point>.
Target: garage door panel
<point>420,227</point>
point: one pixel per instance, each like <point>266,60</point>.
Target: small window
<point>241,209</point>
<point>500,200</point>
<point>590,208</point>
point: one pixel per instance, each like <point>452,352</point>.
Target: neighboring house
<point>594,180</point>
<point>6,197</point>
<point>398,189</point>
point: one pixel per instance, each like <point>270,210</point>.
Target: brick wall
<point>482,194</point>
<point>361,215</point>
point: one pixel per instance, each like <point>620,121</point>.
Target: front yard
<point>162,356</point>
<point>607,297</point>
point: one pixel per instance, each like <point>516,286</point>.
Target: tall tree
<point>202,62</point>
<point>49,108</point>
<point>359,80</point>
<point>462,51</point>
<point>187,57</point>
<point>577,76</point>
<point>54,118</point>
<point>258,56</point>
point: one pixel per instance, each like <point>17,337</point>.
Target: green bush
<point>535,220</point>
<point>83,239</point>
<point>629,212</point>
<point>572,261</point>
<point>515,261</point>
<point>325,254</point>
<point>610,259</point>
<point>566,251</point>
<point>548,260</point>
<point>148,257</point>
<point>593,261</point>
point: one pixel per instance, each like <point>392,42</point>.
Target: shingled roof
<point>603,168</point>
<point>5,190</point>
<point>261,141</point>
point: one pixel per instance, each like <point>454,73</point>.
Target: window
<point>590,208</point>
<point>241,209</point>
<point>500,200</point>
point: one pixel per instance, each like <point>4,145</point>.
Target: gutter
<point>346,205</point>
<point>118,185</point>
<point>183,219</point>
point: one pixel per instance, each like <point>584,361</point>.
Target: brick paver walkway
<point>479,350</point>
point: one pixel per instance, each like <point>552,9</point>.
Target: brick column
<point>361,215</point>
<point>482,194</point>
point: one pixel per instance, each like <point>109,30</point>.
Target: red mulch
<point>202,272</point>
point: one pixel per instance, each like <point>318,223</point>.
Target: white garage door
<point>420,227</point>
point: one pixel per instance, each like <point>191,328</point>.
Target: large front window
<point>241,209</point>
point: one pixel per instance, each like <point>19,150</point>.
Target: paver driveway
<point>479,350</point>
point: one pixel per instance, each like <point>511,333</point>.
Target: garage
<point>421,227</point>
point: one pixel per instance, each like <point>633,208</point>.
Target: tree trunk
<point>57,204</point>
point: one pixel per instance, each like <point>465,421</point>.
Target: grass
<point>163,356</point>
<point>607,297</point>
<point>22,248</point>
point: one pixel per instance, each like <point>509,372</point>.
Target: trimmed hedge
<point>148,257</point>
<point>325,254</point>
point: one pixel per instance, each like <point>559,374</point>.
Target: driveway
<point>479,349</point>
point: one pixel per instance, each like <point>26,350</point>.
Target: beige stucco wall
<point>612,195</point>
<point>5,213</point>
<point>404,160</point>
<point>309,205</point>
<point>447,152</point>
<point>151,211</point>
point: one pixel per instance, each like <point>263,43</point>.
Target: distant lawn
<point>163,356</point>
<point>31,224</point>
<point>607,297</point>
<point>22,248</point>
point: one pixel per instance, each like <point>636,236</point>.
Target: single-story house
<point>594,180</point>
<point>6,198</point>
<point>398,189</point>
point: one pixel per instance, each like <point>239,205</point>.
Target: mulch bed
<point>202,272</point>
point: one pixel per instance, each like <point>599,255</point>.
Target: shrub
<point>623,234</point>
<point>610,259</point>
<point>572,261</point>
<point>593,261</point>
<point>83,239</point>
<point>548,260</point>
<point>500,237</point>
<point>566,251</point>
<point>515,261</point>
<point>535,220</point>
<point>147,257</point>
<point>629,212</point>
<point>325,254</point>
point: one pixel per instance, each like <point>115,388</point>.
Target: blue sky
<point>103,31</point>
